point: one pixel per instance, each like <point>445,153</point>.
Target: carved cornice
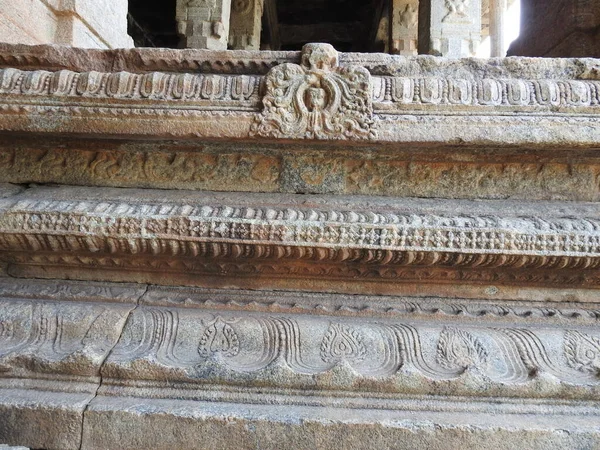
<point>389,95</point>
<point>346,243</point>
<point>350,97</point>
<point>534,237</point>
<point>126,86</point>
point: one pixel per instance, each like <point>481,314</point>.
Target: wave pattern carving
<point>373,350</point>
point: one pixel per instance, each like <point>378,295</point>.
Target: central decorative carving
<point>317,99</point>
<point>409,16</point>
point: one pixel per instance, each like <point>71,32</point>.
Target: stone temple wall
<point>304,250</point>
<point>79,23</point>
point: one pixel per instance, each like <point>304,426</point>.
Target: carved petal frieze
<point>326,96</point>
<point>317,99</point>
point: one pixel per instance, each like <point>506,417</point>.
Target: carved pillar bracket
<point>203,24</point>
<point>317,99</point>
<point>245,27</point>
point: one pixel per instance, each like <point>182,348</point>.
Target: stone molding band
<point>138,341</point>
<point>360,241</point>
<point>390,94</point>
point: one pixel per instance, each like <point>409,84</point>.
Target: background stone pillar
<point>404,27</point>
<point>203,23</point>
<point>245,26</point>
<point>497,25</point>
<point>449,28</point>
<point>558,28</point>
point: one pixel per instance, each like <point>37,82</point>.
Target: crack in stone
<point>137,304</point>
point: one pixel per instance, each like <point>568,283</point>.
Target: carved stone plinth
<point>298,250</point>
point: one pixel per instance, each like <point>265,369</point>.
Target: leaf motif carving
<point>342,343</point>
<point>219,338</point>
<point>460,349</point>
<point>582,352</point>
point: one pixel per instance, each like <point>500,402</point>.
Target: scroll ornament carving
<point>317,99</point>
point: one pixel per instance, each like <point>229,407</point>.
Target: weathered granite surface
<point>80,23</point>
<point>376,250</point>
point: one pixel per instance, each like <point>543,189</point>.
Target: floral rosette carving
<point>317,99</point>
